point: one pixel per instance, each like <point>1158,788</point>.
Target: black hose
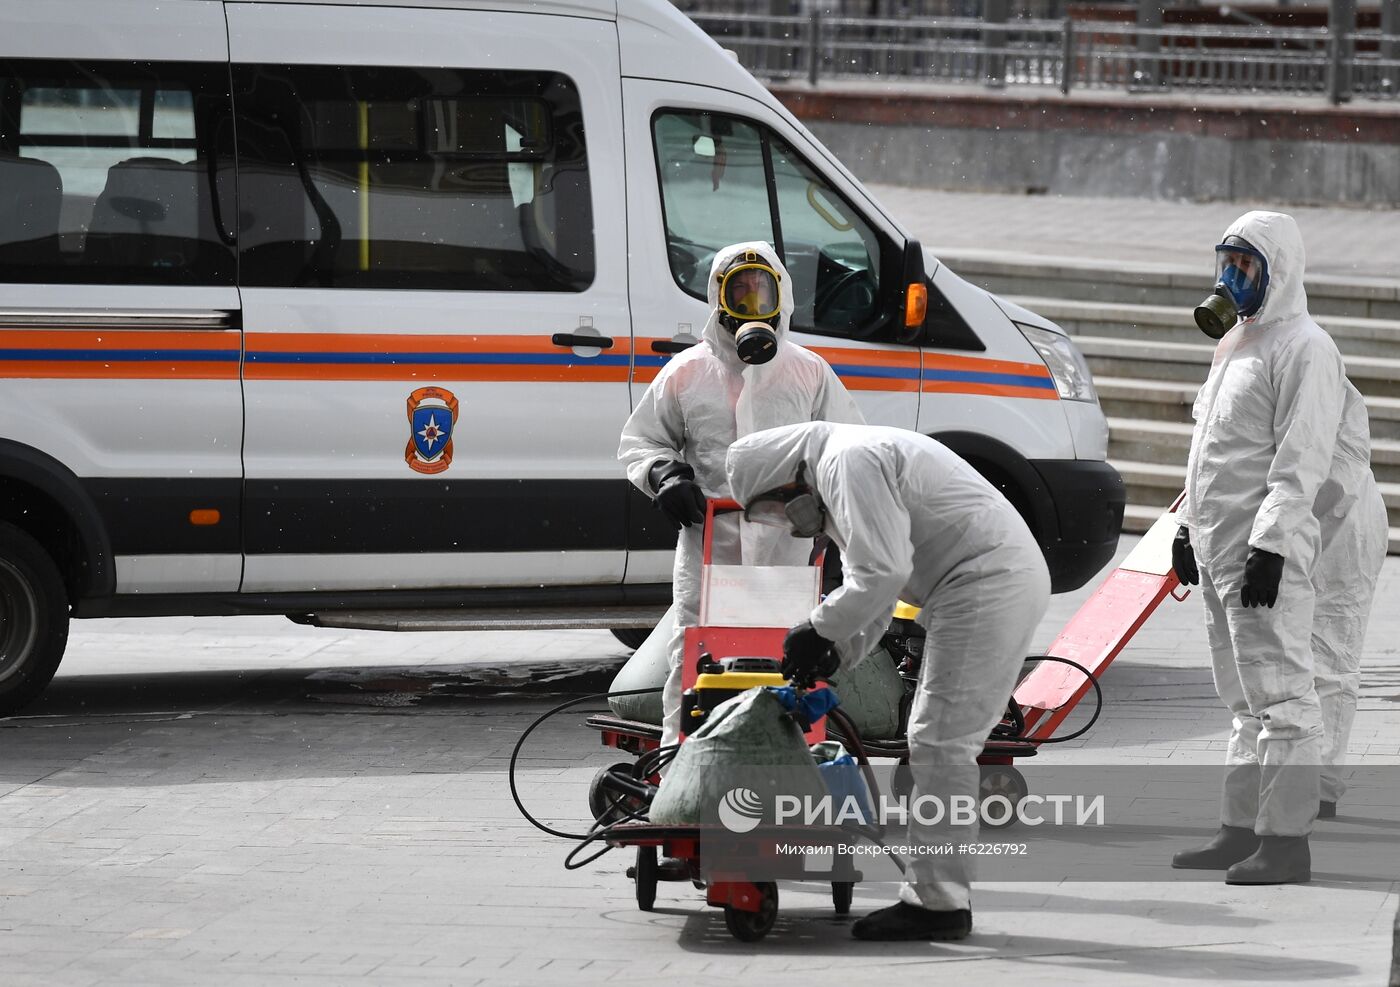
<point>1098,702</point>
<point>515,755</point>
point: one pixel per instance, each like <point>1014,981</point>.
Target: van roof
<point>601,9</point>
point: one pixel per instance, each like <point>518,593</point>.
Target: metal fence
<point>1066,54</point>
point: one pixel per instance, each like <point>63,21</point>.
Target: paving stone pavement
<point>1350,242</point>
<point>248,801</point>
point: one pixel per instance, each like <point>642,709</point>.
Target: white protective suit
<point>700,402</point>
<point>1267,421</point>
<point>914,522</point>
<point>1354,532</point>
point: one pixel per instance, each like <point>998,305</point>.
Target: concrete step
<point>1172,324</point>
<point>1152,284</point>
<point>1156,400</point>
<point>1171,401</point>
<point>1137,518</point>
<point>1190,362</point>
<point>1156,485</point>
<point>1137,440</point>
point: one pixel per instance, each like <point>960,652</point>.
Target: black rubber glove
<point>1262,572</point>
<point>678,496</point>
<point>1184,557</point>
<point>807,656</point>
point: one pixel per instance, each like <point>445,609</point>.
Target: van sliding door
<point>119,312</point>
<point>433,271</point>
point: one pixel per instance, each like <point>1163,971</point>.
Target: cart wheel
<point>645,876</point>
<point>753,926</point>
<point>603,802</point>
<point>1002,779</point>
<point>841,894</point>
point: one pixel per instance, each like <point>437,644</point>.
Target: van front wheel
<point>33,618</point>
<point>632,637</point>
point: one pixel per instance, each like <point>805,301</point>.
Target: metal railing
<point>1066,54</point>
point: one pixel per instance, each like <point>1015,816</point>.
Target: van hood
<point>1011,310</point>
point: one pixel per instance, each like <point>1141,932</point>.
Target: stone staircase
<point>1149,359</point>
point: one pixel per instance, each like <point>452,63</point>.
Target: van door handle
<point>669,346</point>
<point>573,339</point>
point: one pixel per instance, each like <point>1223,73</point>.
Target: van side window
<point>421,178</point>
<point>108,172</point>
<point>714,190</point>
<point>724,179</point>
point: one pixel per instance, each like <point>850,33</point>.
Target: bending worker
<point>743,376</point>
<point>1268,420</point>
<point>913,522</point>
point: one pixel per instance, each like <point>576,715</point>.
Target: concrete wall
<point>1293,152</point>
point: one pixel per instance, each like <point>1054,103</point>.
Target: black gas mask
<point>794,506</point>
<point>749,306</point>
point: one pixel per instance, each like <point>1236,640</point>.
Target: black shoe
<point>1228,847</point>
<point>903,923</point>
<point>1326,810</point>
<point>1279,860</point>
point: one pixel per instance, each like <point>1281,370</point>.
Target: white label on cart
<point>758,595</point>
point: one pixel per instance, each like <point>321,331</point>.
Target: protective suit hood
<point>1276,236</point>
<point>719,338</point>
<point>765,460</point>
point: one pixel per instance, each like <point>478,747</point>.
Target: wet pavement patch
<point>415,686</point>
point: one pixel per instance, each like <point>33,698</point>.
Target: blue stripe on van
<point>973,377</point>
<point>870,370</point>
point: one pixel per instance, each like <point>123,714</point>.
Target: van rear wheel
<point>33,618</point>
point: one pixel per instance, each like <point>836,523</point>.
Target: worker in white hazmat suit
<point>1268,421</point>
<point>743,376</point>
<point>913,522</point>
<point>1354,532</point>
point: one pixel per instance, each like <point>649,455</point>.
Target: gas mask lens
<point>749,292</point>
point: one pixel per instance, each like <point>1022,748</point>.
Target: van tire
<point>33,618</point>
<point>632,637</point>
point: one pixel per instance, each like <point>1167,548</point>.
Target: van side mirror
<point>911,315</point>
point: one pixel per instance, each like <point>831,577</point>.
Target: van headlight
<point>1067,365</point>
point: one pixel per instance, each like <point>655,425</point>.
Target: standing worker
<point>743,376</point>
<point>1354,532</point>
<point>913,522</point>
<point>1267,423</point>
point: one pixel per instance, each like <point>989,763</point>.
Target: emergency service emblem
<point>432,413</point>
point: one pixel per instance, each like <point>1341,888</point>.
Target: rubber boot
<point>1228,847</point>
<point>903,922</point>
<point>1279,860</point>
<point>1326,810</point>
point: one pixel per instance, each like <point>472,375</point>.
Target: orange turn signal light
<point>915,304</point>
<point>204,516</point>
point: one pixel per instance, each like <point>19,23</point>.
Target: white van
<point>317,308</point>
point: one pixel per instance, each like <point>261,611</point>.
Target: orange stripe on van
<point>146,370</point>
<point>990,390</point>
